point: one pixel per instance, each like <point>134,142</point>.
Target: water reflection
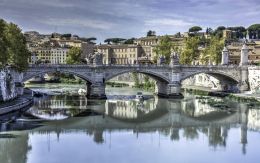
<point>167,123</point>
<point>58,107</point>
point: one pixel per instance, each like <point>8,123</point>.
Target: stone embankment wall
<point>8,88</point>
<point>254,79</point>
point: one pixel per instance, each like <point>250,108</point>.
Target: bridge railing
<point>93,66</point>
<point>129,65</point>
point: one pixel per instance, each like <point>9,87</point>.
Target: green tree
<point>237,32</point>
<point>254,31</point>
<point>89,40</point>
<point>17,50</point>
<point>195,29</point>
<point>150,33</point>
<point>74,55</point>
<point>213,51</point>
<point>114,40</point>
<point>209,31</point>
<point>66,36</point>
<point>219,31</point>
<point>129,41</point>
<point>3,44</point>
<point>136,79</point>
<point>164,48</point>
<point>190,51</point>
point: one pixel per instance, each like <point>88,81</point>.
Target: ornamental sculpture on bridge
<point>174,59</point>
<point>161,60</point>
<point>98,59</point>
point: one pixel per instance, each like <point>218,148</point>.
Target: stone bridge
<point>168,77</point>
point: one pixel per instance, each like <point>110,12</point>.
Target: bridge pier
<point>168,90</point>
<point>243,85</point>
<point>96,90</point>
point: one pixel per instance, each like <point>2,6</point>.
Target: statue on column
<point>161,60</point>
<point>174,59</point>
<point>98,59</point>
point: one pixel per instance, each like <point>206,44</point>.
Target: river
<point>69,128</point>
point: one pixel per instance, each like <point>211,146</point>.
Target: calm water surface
<point>74,129</point>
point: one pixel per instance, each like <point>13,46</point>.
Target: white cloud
<point>167,22</point>
<point>88,23</point>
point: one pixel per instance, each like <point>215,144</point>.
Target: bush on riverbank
<point>145,86</point>
<point>250,101</point>
<point>71,81</point>
<point>115,84</point>
<point>196,92</point>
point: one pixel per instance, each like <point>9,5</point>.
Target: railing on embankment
<point>16,107</point>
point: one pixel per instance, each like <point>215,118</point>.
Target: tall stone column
<point>244,55</point>
<point>225,56</point>
<point>243,84</point>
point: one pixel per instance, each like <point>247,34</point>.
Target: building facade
<point>49,56</point>
<point>119,54</point>
<point>141,51</point>
<point>235,51</point>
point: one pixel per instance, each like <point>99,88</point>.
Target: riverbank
<point>243,97</point>
<point>16,104</point>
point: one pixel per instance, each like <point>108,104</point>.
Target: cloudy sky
<point>127,18</point>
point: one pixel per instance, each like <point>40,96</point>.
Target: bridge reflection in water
<point>190,118</point>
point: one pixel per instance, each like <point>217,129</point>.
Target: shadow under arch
<point>154,76</point>
<point>218,75</point>
<point>28,76</point>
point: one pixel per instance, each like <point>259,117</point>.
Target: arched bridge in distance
<point>168,77</point>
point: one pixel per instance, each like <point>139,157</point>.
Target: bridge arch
<point>154,75</point>
<point>216,74</point>
<point>30,74</point>
<point>226,80</point>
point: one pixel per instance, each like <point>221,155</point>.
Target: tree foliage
<point>74,56</point>
<point>237,32</point>
<point>129,41</point>
<point>150,33</point>
<point>3,44</point>
<point>91,39</point>
<point>66,35</point>
<point>254,27</point>
<point>195,29</point>
<point>219,31</point>
<point>136,79</point>
<point>190,52</point>
<point>114,40</point>
<point>13,50</point>
<point>254,31</point>
<point>164,48</point>
<point>213,51</point>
